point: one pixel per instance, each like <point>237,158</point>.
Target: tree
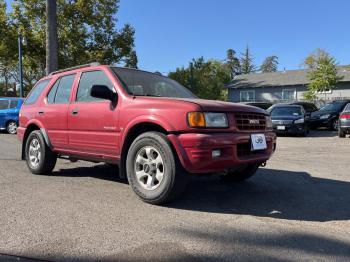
<point>51,37</point>
<point>246,60</point>
<point>8,49</point>
<point>313,59</point>
<point>87,31</point>
<point>204,78</point>
<point>270,64</point>
<point>233,62</point>
<point>323,76</point>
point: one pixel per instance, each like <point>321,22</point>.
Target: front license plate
<point>258,142</point>
<point>281,128</point>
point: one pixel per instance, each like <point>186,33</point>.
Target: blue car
<point>9,111</point>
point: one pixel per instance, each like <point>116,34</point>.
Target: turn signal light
<point>196,119</point>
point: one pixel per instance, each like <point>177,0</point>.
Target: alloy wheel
<point>34,152</point>
<point>149,167</point>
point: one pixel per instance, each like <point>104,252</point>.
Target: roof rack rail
<point>74,67</point>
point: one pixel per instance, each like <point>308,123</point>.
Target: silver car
<point>344,121</point>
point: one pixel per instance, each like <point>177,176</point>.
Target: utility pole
<point>20,65</point>
<point>51,36</point>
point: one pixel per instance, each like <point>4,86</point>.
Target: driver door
<point>93,124</point>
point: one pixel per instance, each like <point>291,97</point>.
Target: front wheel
<point>40,158</point>
<point>11,127</point>
<point>241,173</point>
<point>335,125</point>
<point>153,170</point>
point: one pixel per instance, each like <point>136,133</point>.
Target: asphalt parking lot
<point>297,208</point>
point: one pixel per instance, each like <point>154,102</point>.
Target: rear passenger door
<point>4,105</point>
<point>54,113</point>
<point>92,122</point>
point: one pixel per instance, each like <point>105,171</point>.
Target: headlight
<point>299,121</point>
<point>325,116</point>
<point>269,126</point>
<point>200,119</point>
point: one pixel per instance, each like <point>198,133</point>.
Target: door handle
<point>75,112</point>
<point>41,112</point>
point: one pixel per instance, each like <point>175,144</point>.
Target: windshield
<point>286,111</point>
<point>332,107</point>
<point>140,83</point>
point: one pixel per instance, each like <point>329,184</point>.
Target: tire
<point>40,158</point>
<point>334,125</point>
<point>241,173</point>
<point>153,170</point>
<point>341,133</point>
<point>11,127</point>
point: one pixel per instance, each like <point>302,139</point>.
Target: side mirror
<point>103,92</point>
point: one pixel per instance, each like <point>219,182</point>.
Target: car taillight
<point>345,116</point>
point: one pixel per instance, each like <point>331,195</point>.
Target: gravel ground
<point>297,208</point>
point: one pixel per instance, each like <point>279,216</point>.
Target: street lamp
<point>21,41</point>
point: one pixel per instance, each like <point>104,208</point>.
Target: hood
<point>220,106</point>
<point>323,112</point>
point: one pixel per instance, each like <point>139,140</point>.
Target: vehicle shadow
<point>99,171</point>
<point>270,193</point>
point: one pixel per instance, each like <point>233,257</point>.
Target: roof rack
<point>74,67</point>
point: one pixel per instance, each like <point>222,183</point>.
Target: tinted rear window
<point>61,90</point>
<point>36,91</point>
<point>4,104</point>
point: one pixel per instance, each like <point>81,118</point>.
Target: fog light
<point>216,153</point>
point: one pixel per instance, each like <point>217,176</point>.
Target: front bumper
<point>195,150</point>
<point>316,122</point>
<point>291,129</point>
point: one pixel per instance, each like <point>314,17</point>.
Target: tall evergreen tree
<point>233,62</point>
<point>270,64</point>
<point>247,64</point>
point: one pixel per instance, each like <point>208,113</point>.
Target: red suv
<point>153,128</point>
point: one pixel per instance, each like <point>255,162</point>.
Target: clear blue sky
<point>169,33</point>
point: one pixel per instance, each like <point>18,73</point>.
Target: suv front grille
<point>250,122</point>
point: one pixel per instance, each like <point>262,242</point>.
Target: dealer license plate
<point>281,128</point>
<point>258,142</point>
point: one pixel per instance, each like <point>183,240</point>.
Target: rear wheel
<point>341,133</point>
<point>153,170</point>
<point>11,127</point>
<point>241,173</point>
<point>40,158</point>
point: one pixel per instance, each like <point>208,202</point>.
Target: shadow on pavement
<point>270,193</point>
<point>100,171</point>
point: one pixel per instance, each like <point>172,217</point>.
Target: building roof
<point>282,78</point>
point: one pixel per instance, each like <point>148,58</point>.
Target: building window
<point>246,96</point>
<point>288,94</point>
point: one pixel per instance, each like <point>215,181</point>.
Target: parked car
<point>328,116</point>
<point>289,119</point>
<point>153,128</point>
<point>308,106</point>
<point>9,110</point>
<point>262,105</point>
<point>344,121</point>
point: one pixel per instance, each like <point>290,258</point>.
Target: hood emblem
<point>254,121</point>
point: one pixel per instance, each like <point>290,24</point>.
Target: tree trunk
<point>51,37</point>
